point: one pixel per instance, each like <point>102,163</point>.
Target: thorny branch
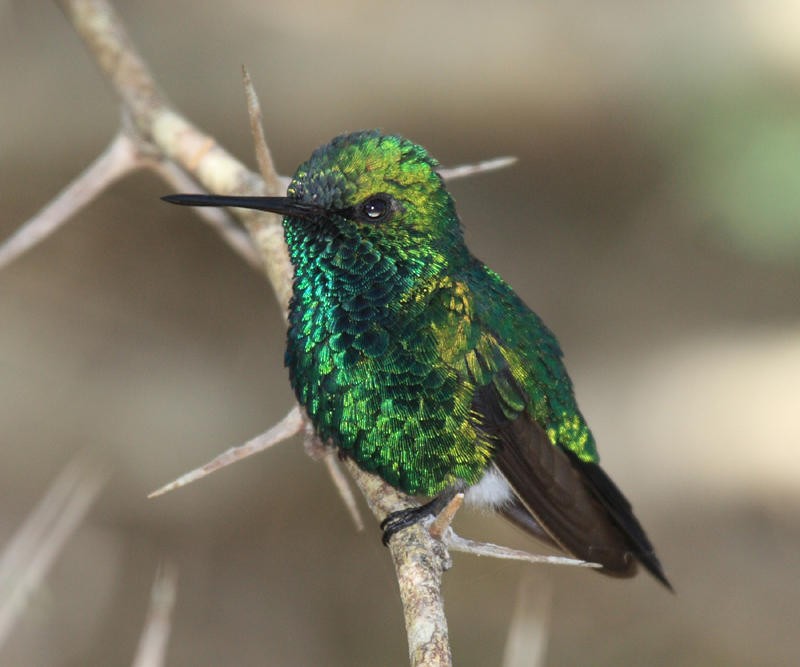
<point>154,135</point>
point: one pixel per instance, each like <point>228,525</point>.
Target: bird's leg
<point>396,521</point>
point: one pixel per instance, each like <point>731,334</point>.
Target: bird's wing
<point>525,404</point>
<point>544,479</point>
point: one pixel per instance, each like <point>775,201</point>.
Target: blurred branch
<point>154,135</point>
<point>27,558</point>
<point>526,645</point>
<point>152,649</point>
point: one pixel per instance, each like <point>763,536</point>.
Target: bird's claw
<point>396,521</point>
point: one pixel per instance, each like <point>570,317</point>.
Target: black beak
<point>281,205</point>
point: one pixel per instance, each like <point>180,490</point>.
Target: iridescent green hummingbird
<point>422,365</point>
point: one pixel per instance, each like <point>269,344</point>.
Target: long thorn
<point>443,520</point>
<point>265,164</point>
<point>462,170</point>
<point>344,488</point>
<point>457,543</point>
<point>283,430</point>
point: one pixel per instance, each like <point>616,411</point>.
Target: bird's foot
<point>396,521</point>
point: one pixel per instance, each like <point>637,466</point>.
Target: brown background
<point>652,220</point>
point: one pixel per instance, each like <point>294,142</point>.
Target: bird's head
<point>363,188</point>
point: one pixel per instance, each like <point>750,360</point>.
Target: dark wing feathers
<point>621,511</point>
<point>550,488</point>
<point>524,405</point>
<point>574,503</point>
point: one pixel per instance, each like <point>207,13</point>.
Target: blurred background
<point>653,221</point>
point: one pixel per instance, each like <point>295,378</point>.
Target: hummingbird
<point>420,363</point>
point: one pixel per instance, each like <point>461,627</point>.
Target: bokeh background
<point>653,220</point>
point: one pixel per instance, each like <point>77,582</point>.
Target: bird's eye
<point>376,208</point>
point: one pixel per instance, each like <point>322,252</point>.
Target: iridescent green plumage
<point>394,326</point>
<point>423,365</point>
